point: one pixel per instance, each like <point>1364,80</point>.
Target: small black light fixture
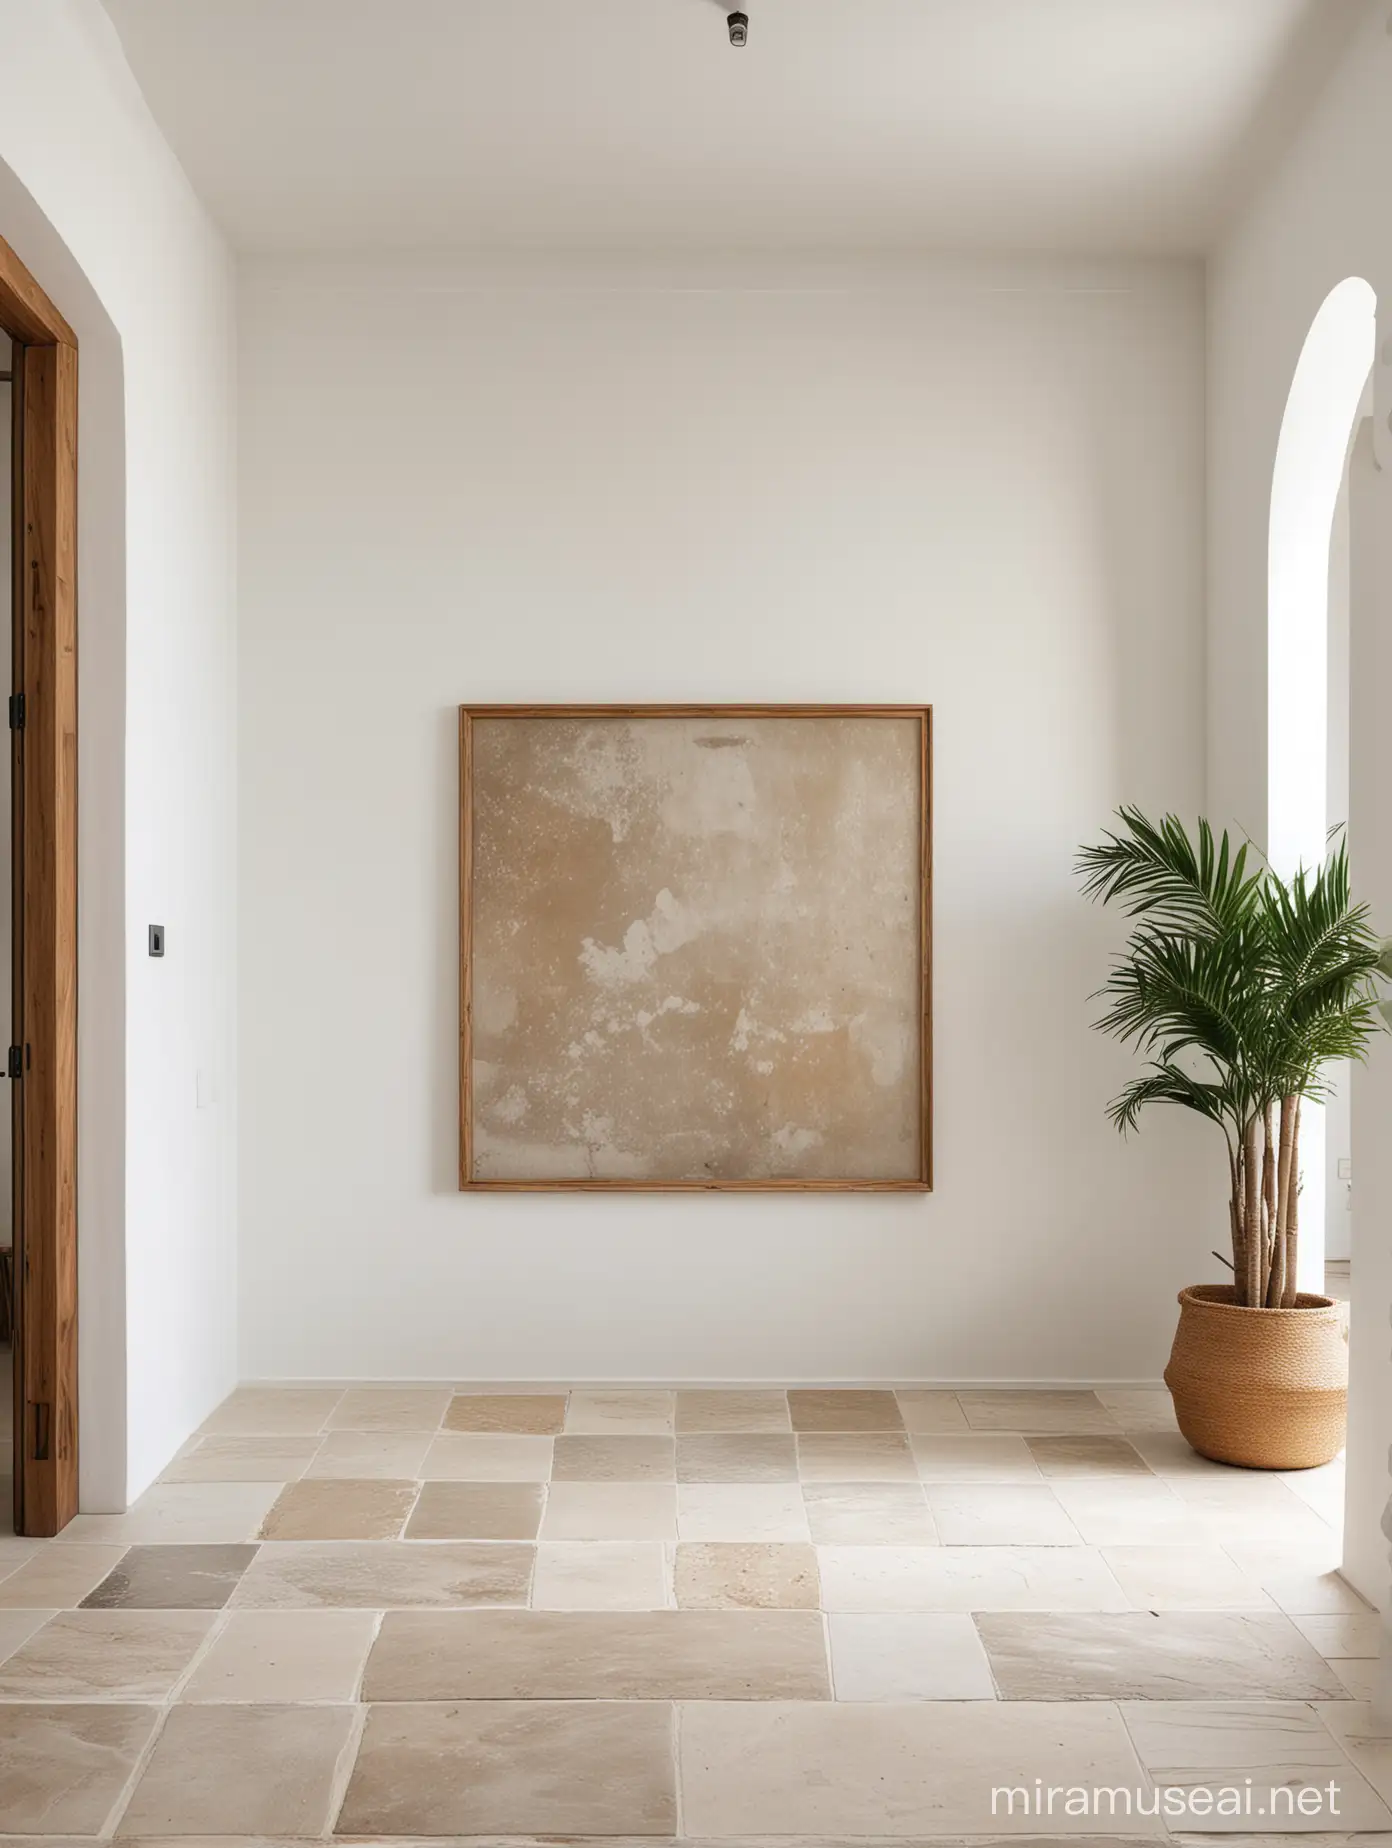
<point>739,28</point>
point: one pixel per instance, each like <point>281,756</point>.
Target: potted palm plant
<point>1239,988</point>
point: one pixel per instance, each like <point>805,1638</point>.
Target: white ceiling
<point>340,125</point>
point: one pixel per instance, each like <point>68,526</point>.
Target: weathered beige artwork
<point>695,948</point>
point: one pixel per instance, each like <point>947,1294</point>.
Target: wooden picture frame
<point>43,731</point>
<point>470,1178</point>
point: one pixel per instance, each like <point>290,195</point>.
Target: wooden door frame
<point>43,718</point>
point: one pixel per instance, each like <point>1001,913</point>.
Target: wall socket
<point>157,940</point>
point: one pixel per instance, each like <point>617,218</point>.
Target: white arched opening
<point>1321,408</point>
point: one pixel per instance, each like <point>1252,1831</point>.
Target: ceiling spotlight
<point>739,28</point>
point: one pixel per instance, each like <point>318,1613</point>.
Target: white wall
<point>1319,217</point>
<point>94,202</point>
<point>982,489</point>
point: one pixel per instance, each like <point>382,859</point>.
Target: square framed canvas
<point>696,947</point>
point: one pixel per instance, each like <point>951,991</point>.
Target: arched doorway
<point>1310,471</point>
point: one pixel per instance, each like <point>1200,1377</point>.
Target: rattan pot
<point>1264,1388</point>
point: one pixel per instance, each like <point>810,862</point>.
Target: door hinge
<point>16,1062</point>
<point>16,712</point>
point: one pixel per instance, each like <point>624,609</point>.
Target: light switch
<point>157,940</point>
<point>1345,1167</point>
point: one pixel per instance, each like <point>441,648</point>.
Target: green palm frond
<point>1254,983</point>
<point>1157,871</point>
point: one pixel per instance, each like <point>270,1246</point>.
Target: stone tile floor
<point>395,1613</point>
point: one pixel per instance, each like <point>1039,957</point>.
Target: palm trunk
<point>1239,1243</point>
<point>1291,1290</point>
<point>1268,1188</point>
<point>1285,1190</point>
<point>1253,1280</point>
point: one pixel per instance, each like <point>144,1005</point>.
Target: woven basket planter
<point>1263,1388</point>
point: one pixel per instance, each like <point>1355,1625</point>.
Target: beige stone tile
<point>1184,1578</point>
<point>614,1459</point>
<point>273,1410</point>
<point>1348,1633</point>
<point>741,1511</point>
<point>1358,1675</point>
<point>601,1575</point>
<point>979,1456</point>
<point>610,1511</point>
<point>377,1574</point>
<point>355,1456</point>
<point>1062,1413</point>
<point>624,1413</point>
<point>340,1509</point>
<point>593,1655</point>
<point>270,1657</point>
<point>1367,1740</point>
<point>1300,1594</point>
<point>1252,1493</point>
<point>846,1769</point>
<point>242,1770</point>
<point>1169,1454</point>
<point>243,1459</point>
<point>58,1577</point>
<point>844,1411</point>
<point>1086,1457</point>
<point>869,1514</point>
<point>1139,1408</point>
<point>999,1514</point>
<point>507,1414</point>
<point>476,1511</point>
<point>170,1578</point>
<point>1127,1511</point>
<point>173,1513</point>
<point>966,1578</point>
<point>63,1768</point>
<point>1320,1489</point>
<point>907,1656</point>
<point>737,1457</point>
<point>729,1410</point>
<point>105,1655</point>
<point>14,1552</point>
<point>391,1408</point>
<point>1150,1655</point>
<point>17,1626</point>
<point>1280,1747</point>
<point>713,1575</point>
<point>474,1457</point>
<point>931,1411</point>
<point>484,1767</point>
<point>868,1456</point>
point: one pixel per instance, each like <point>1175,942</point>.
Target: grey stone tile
<point>844,1411</point>
<point>728,1410</point>
<point>598,1655</point>
<point>377,1574</point>
<point>601,1458</point>
<point>242,1770</point>
<point>63,1768</point>
<point>476,1511</point>
<point>129,1655</point>
<point>172,1578</point>
<point>537,1767</point>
